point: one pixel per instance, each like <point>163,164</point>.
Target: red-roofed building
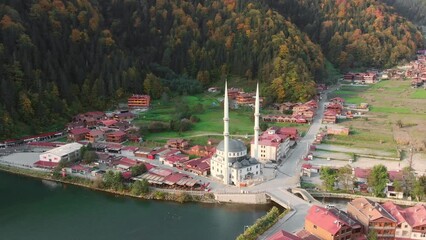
<point>273,145</point>
<point>126,163</point>
<point>373,217</point>
<point>395,175</point>
<point>95,136</point>
<point>291,132</point>
<point>107,123</point>
<point>124,116</point>
<point>199,166</point>
<point>411,221</point>
<point>175,159</point>
<point>173,178</point>
<point>77,134</point>
<point>305,235</point>
<point>283,235</point>
<point>138,101</point>
<point>46,164</point>
<point>177,143</point>
<point>330,116</point>
<point>116,137</point>
<point>361,174</point>
<point>201,151</point>
<point>330,225</point>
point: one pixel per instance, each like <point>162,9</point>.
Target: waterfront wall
<point>353,196</point>
<point>243,198</point>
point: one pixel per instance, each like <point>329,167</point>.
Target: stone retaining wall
<point>244,198</point>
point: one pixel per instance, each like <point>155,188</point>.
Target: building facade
<point>273,145</point>
<point>138,101</point>
<point>67,152</point>
<point>373,217</point>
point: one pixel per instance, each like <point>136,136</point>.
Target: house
<point>177,143</point>
<point>66,153</point>
<point>107,123</point>
<point>174,160</point>
<point>78,169</point>
<point>308,169</point>
<point>245,98</point>
<point>77,134</point>
<point>142,152</point>
<point>116,137</point>
<point>233,92</point>
<point>330,116</point>
<point>337,130</point>
<point>391,192</point>
<point>273,145</point>
<point>283,235</point>
<point>411,221</point>
<point>361,174</point>
<point>395,175</point>
<point>370,78</point>
<point>95,136</point>
<point>201,151</point>
<point>138,101</point>
<point>199,166</point>
<point>124,116</point>
<point>328,225</point>
<point>126,163</point>
<point>291,132</point>
<point>373,217</point>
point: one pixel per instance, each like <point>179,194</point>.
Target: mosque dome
<point>234,146</point>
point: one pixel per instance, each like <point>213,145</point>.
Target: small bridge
<point>305,195</point>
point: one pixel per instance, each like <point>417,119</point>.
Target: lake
<point>33,209</point>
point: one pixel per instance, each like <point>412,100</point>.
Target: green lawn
<point>419,94</point>
<point>390,110</point>
<point>390,101</point>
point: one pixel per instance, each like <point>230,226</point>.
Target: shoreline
<point>167,196</point>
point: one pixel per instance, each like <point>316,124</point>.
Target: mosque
<point>230,163</point>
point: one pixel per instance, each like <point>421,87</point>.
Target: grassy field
<point>419,94</point>
<point>211,120</point>
<point>391,102</point>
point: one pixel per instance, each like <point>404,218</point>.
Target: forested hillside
<point>352,34</point>
<point>415,10</point>
<point>61,57</point>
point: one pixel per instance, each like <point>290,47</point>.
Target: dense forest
<point>60,57</point>
<point>415,10</point>
<point>354,34</point>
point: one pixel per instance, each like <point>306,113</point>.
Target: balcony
<point>382,227</point>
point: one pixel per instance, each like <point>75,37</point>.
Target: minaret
<point>256,124</point>
<point>226,134</point>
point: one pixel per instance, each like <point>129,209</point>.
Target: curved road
<point>288,177</point>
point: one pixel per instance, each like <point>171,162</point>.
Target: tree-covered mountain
<point>352,34</point>
<point>415,10</point>
<point>61,57</point>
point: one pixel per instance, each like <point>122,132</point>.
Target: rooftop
<point>65,149</point>
<point>370,209</point>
